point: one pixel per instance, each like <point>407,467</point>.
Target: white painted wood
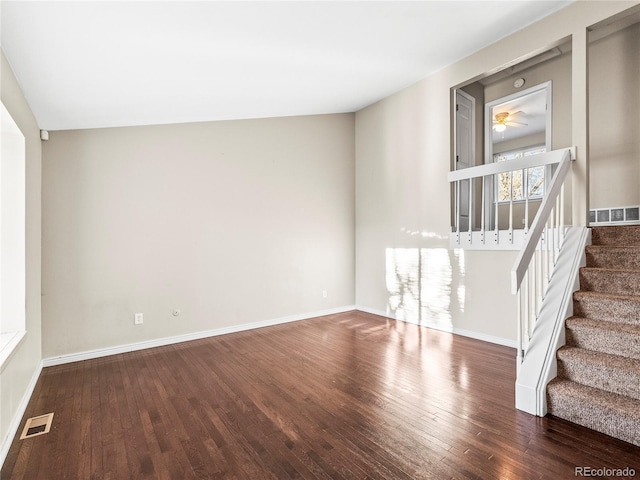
<point>12,241</point>
<point>8,344</point>
<point>464,133</point>
<point>539,223</point>
<point>488,116</point>
<point>17,417</point>
<point>539,365</point>
<point>489,240</point>
<point>548,158</point>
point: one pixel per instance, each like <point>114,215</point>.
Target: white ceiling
<point>111,63</point>
<point>533,114</point>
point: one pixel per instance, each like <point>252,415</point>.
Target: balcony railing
<point>538,256</point>
<point>481,221</point>
<point>539,242</point>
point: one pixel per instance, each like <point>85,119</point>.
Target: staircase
<point>598,383</point>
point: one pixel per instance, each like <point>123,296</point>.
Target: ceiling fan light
<point>500,127</point>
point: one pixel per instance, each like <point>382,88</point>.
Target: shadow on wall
<point>425,285</point>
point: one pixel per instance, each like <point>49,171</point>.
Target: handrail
<point>543,240</point>
<point>548,158</point>
<point>540,221</point>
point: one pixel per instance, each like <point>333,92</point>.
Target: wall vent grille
<point>37,426</point>
<point>614,215</point>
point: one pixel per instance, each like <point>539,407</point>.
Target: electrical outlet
<point>138,319</point>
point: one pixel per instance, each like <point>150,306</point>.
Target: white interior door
<point>465,142</point>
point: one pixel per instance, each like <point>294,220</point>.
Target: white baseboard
<point>132,347</point>
<point>457,331</point>
<point>76,357</point>
<point>17,417</point>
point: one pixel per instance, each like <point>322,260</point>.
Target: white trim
<point>504,241</point>
<point>63,359</point>
<point>472,99</point>
<point>488,117</point>
<point>159,342</point>
<point>472,160</point>
<point>488,140</point>
<point>539,225</point>
<point>488,240</point>
<point>540,365</point>
<point>548,158</point>
<point>456,331</point>
<point>7,349</point>
<point>17,417</point>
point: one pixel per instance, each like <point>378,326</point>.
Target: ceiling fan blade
<point>519,112</point>
<point>516,124</point>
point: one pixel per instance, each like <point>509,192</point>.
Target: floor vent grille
<point>37,426</point>
<point>615,215</point>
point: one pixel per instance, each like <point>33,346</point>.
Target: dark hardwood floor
<point>343,396</point>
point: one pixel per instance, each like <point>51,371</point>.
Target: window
<point>12,235</point>
<point>520,184</point>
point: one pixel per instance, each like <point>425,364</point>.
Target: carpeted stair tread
<point>607,306</point>
<point>618,281</point>
<point>609,413</point>
<point>602,336</point>
<point>616,235</point>
<point>619,257</point>
<point>613,373</point>
<point>598,383</point>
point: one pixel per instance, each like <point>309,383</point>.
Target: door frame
<point>488,119</point>
<point>547,87</point>
<point>472,99</point>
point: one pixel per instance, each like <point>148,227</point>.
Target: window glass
<point>513,185</point>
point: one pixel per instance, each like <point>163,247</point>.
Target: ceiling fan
<point>503,120</point>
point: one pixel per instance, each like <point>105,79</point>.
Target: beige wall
<point>403,263</point>
<point>402,160</point>
<point>19,370</point>
<point>230,222</point>
<point>558,70</point>
<point>614,104</point>
<point>234,222</point>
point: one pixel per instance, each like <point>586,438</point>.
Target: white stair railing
<point>539,365</point>
<point>541,242</point>
<point>483,205</point>
<point>538,256</point>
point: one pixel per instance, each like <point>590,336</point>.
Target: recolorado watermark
<point>604,472</point>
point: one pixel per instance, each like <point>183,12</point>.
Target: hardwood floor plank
<point>352,396</point>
